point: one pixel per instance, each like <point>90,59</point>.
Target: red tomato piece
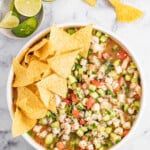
<point>84,138</point>
<point>67,101</point>
<point>105,55</point>
<point>121,55</point>
<point>125,132</point>
<point>74,98</point>
<point>82,122</point>
<point>60,145</point>
<point>90,103</point>
<point>76,113</point>
<point>96,83</point>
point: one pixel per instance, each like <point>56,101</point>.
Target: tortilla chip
<point>43,52</point>
<point>91,2</point>
<point>84,36</point>
<point>20,58</point>
<point>48,99</point>
<point>36,69</point>
<point>62,64</point>
<point>62,42</point>
<point>21,76</point>
<point>34,48</point>
<point>125,13</point>
<point>30,104</point>
<point>55,84</point>
<point>21,123</point>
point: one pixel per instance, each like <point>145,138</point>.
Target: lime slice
<point>26,28</point>
<point>28,8</point>
<point>9,21</point>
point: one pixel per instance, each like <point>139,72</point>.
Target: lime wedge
<point>26,28</point>
<point>28,8</point>
<point>9,21</point>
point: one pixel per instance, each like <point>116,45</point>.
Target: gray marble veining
<point>135,34</point>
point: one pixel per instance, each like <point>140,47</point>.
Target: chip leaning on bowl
<point>76,88</point>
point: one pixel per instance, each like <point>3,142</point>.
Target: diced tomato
<point>121,81</point>
<point>121,55</point>
<point>90,103</point>
<point>74,98</point>
<point>96,83</point>
<point>84,138</point>
<point>76,113</point>
<point>67,101</point>
<point>82,122</point>
<point>60,145</point>
<point>80,85</point>
<point>125,132</point>
<point>105,55</point>
<point>39,140</point>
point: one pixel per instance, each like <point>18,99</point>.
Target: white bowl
<point>4,7</point>
<point>114,37</point>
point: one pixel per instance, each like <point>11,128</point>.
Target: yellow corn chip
<point>30,104</point>
<point>21,123</point>
<point>84,36</point>
<point>126,13</point>
<point>21,76</point>
<point>62,64</point>
<point>48,99</point>
<point>55,84</point>
<point>43,52</point>
<point>34,48</point>
<point>36,69</point>
<point>62,42</point>
<point>91,2</point>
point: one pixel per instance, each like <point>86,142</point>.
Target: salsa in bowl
<point>80,88</point>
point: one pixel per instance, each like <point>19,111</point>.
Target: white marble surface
<point>136,35</point>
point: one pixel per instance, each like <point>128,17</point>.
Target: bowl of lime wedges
<point>20,18</point>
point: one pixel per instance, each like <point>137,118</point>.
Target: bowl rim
<point>114,37</point>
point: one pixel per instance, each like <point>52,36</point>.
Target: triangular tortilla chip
<point>34,48</point>
<point>21,76</point>
<point>84,36</point>
<point>62,42</point>
<point>48,99</point>
<point>43,52</point>
<point>36,69</point>
<point>125,13</point>
<point>91,2</point>
<point>21,123</point>
<point>62,64</point>
<point>55,84</point>
<point>30,104</point>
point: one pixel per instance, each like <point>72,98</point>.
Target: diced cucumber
<point>80,71</point>
<point>101,92</point>
<point>30,132</point>
<point>71,31</point>
<point>109,92</point>
<point>101,128</point>
<point>42,121</point>
<point>115,138</point>
<point>97,145</point>
<point>134,80</point>
<point>106,117</point>
<point>51,115</point>
<point>55,124</point>
<point>92,87</point>
<point>71,79</point>
<point>80,133</point>
<point>91,126</point>
<point>103,38</point>
<point>125,107</point>
<point>108,130</point>
<point>115,48</point>
<point>49,139</point>
<point>133,65</point>
<point>80,93</point>
<point>98,33</point>
<point>94,95</point>
<point>127,77</point>
<point>74,85</point>
<point>113,74</point>
<point>84,129</point>
<point>80,106</point>
<point>116,62</point>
